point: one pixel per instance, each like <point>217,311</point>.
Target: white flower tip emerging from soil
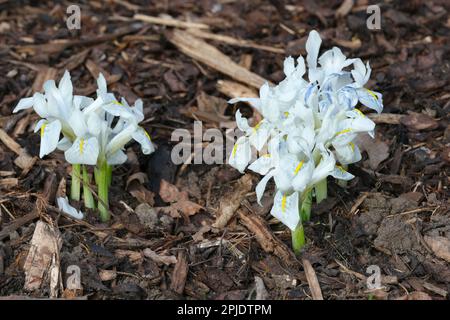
<point>63,205</point>
<point>308,128</point>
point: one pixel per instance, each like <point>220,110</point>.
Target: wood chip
<point>107,275</point>
<point>16,224</point>
<point>435,289</point>
<point>345,8</point>
<point>439,245</point>
<point>385,118</point>
<point>234,89</point>
<point>313,282</point>
<point>233,41</point>
<point>9,182</point>
<point>261,291</point>
<point>268,242</point>
<point>231,202</point>
<point>159,258</point>
<point>170,22</point>
<point>24,161</point>
<point>180,273</point>
<point>212,57</point>
<point>419,121</point>
<point>44,248</point>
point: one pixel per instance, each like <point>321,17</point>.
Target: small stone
<point>14,235</point>
<point>147,215</point>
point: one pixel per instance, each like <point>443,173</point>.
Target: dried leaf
<point>377,149</point>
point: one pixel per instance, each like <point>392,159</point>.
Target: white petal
<point>241,154</point>
<point>50,132</point>
<point>117,158</point>
<point>101,84</point>
<point>312,48</point>
<point>324,168</point>
<point>341,174</point>
<point>94,124</point>
<point>83,151</point>
<point>371,99</point>
<point>24,103</point>
<point>121,138</point>
<point>262,165</point>
<point>94,106</point>
<point>241,122</point>
<point>288,66</point>
<point>260,134</point>
<point>261,187</point>
<point>143,138</point>
<point>119,109</point>
<point>347,154</point>
<point>303,176</point>
<point>54,98</point>
<point>359,72</point>
<point>65,88</point>
<point>64,144</point>
<point>138,110</point>
<point>63,204</point>
<point>286,170</point>
<point>285,209</point>
<point>40,105</point>
<point>78,123</point>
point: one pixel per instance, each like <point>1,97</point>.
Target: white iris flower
<point>309,127</point>
<point>94,132</point>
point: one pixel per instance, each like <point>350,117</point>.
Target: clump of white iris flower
<point>89,131</point>
<point>308,129</point>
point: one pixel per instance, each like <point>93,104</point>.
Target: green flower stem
<point>75,186</point>
<point>305,207</point>
<point>110,168</point>
<point>103,186</point>
<point>87,194</point>
<point>321,191</point>
<point>298,239</point>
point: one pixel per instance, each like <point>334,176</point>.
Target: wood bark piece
<point>170,22</point>
<point>385,118</point>
<point>24,161</point>
<point>201,51</point>
<point>159,258</point>
<point>439,245</point>
<point>268,242</point>
<point>311,277</point>
<point>233,41</point>
<point>234,89</point>
<point>180,273</point>
<point>230,203</point>
<point>44,250</point>
<point>16,224</point>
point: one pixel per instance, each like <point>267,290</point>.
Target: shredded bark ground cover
<point>195,231</point>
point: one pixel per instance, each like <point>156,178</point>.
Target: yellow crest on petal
<point>43,129</point>
<point>299,166</point>
<point>81,145</point>
<point>283,203</point>
<point>372,94</point>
